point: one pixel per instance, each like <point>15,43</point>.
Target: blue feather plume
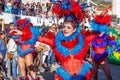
<point>99,27</point>
<point>22,53</point>
<point>86,67</point>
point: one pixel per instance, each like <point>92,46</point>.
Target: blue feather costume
<point>28,31</point>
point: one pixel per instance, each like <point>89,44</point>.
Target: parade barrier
<point>8,18</point>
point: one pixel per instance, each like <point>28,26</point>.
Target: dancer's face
<point>68,29</point>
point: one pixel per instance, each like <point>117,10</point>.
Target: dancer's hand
<point>106,10</point>
<point>16,32</point>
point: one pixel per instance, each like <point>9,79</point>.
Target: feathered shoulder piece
<point>21,23</point>
<point>103,18</point>
<point>102,22</point>
<point>69,9</point>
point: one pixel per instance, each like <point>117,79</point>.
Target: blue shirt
<point>3,48</point>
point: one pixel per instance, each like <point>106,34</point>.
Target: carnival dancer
<point>25,36</point>
<point>100,44</point>
<point>69,45</point>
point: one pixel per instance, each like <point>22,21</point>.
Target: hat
<point>85,6</point>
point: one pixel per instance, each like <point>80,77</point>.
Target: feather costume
<point>28,38</point>
<point>70,51</point>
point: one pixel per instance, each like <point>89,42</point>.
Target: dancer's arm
<point>46,40</point>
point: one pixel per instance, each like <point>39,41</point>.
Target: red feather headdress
<point>69,9</point>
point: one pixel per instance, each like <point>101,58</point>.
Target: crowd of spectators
<point>44,59</point>
<point>40,10</point>
<point>30,9</point>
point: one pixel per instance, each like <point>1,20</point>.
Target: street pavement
<point>115,71</point>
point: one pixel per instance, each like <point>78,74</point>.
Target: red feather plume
<point>103,20</point>
<point>75,10</point>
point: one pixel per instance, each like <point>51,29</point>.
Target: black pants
<point>105,68</point>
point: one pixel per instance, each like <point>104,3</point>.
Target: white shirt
<point>12,47</point>
<point>46,47</point>
<point>61,21</point>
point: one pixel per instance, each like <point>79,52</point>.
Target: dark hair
<point>2,32</point>
<point>11,23</point>
<point>73,23</point>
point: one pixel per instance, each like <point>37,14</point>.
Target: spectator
<point>38,8</point>
<point>38,60</point>
<point>50,19</point>
<point>23,9</point>
<point>27,7</point>
<point>8,7</point>
<point>15,8</point>
<point>45,53</point>
<point>12,56</point>
<point>44,9</point>
<point>48,5</point>
<point>32,11</point>
<point>1,6</point>
<point>3,48</point>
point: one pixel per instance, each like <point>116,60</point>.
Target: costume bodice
<point>100,44</point>
<point>73,62</point>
